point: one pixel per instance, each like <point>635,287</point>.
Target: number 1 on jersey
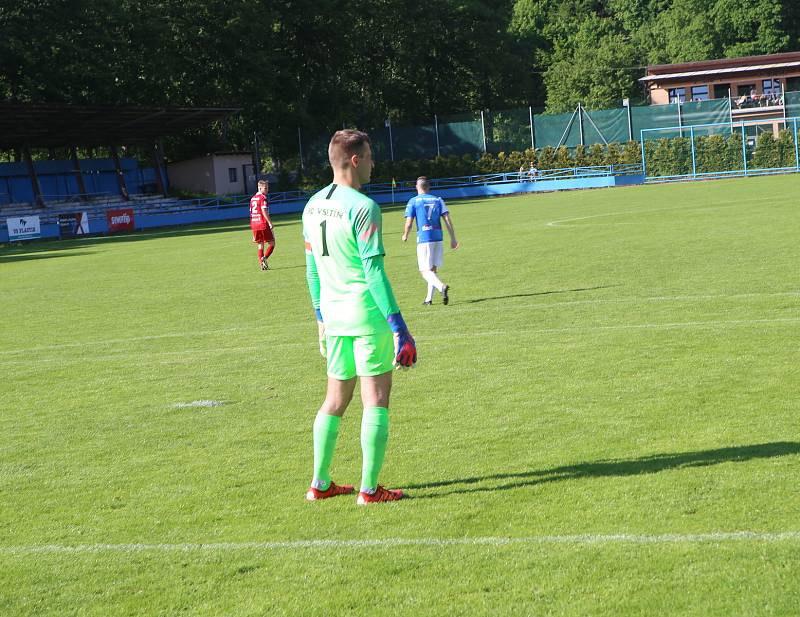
<point>325,253</point>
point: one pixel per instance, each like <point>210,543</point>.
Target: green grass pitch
<point>604,421</point>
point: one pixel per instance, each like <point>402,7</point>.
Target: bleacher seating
<point>141,204</point>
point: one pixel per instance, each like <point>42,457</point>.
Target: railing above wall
<point>511,176</point>
<point>151,213</point>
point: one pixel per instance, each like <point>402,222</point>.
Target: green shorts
<point>366,355</point>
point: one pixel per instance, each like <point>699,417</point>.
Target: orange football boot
<point>380,495</point>
<point>333,490</point>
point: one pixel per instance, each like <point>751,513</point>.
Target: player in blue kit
<point>429,210</point>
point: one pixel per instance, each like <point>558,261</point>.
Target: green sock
<point>326,429</point>
<point>374,435</point>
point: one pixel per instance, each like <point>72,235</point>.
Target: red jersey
<point>257,220</point>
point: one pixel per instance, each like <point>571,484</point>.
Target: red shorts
<point>262,235</point>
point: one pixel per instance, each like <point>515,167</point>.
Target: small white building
<point>219,173</point>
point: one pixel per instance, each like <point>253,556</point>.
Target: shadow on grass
<point>272,268</point>
<point>540,293</point>
<point>611,468</point>
<point>31,249</point>
<point>41,255</point>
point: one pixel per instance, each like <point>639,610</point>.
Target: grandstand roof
<point>746,64</point>
<point>52,126</point>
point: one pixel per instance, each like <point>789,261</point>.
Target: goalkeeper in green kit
<point>361,331</point>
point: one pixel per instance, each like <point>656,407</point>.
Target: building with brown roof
<point>755,85</point>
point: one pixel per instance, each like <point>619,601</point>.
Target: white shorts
<point>430,255</point>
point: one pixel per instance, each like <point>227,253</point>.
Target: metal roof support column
<point>37,189</point>
<point>533,137</point>
<point>300,148</point>
<point>483,129</point>
<point>123,187</point>
<point>569,126</point>
<point>388,124</point>
<point>730,109</point>
<point>630,120</point>
<point>436,126</point>
<point>73,152</point>
<point>158,163</point>
<point>256,157</point>
<point>644,162</point>
<point>744,149</point>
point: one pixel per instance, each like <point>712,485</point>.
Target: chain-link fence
<point>748,146</point>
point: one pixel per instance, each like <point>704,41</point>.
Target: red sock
<point>260,254</point>
<point>270,248</point>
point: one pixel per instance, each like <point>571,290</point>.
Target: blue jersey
<point>428,210</point>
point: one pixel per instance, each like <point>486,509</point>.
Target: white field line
<point>633,300</point>
<point>119,341</point>
<point>201,403</point>
<point>644,326</point>
<point>299,324</point>
<point>221,349</point>
<point>712,206</point>
<point>169,357</point>
<point>148,337</point>
<point>580,539</point>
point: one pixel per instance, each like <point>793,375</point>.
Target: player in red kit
<point>261,224</point>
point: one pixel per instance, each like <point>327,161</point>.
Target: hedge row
<point>715,153</point>
<point>665,157</point>
<point>467,165</point>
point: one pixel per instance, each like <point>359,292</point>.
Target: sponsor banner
<point>73,224</point>
<point>120,220</point>
<point>23,228</point>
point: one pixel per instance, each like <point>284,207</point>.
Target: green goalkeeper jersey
<point>341,228</point>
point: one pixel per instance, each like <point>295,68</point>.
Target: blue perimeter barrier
<point>489,185</point>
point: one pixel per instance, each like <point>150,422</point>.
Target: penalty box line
<point>300,324</point>
<point>577,539</point>
<point>476,333</point>
<point>690,208</point>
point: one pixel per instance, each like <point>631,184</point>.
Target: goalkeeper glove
<point>405,349</point>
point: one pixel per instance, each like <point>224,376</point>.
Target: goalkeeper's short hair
<point>344,144</point>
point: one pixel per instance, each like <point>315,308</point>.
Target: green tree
<point>766,155</point>
<point>593,66</point>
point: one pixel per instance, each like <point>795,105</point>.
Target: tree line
<point>324,65</point>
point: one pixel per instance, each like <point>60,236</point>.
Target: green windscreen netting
<point>605,126</point>
<point>705,112</point>
<point>599,127</point>
<point>379,138</point>
<point>555,129</point>
<point>413,142</point>
<point>655,117</point>
<point>674,115</point>
<point>508,130</point>
<point>315,148</point>
<point>792,100</point>
<point>460,134</point>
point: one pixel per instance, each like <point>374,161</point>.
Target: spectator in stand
<point>532,172</point>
